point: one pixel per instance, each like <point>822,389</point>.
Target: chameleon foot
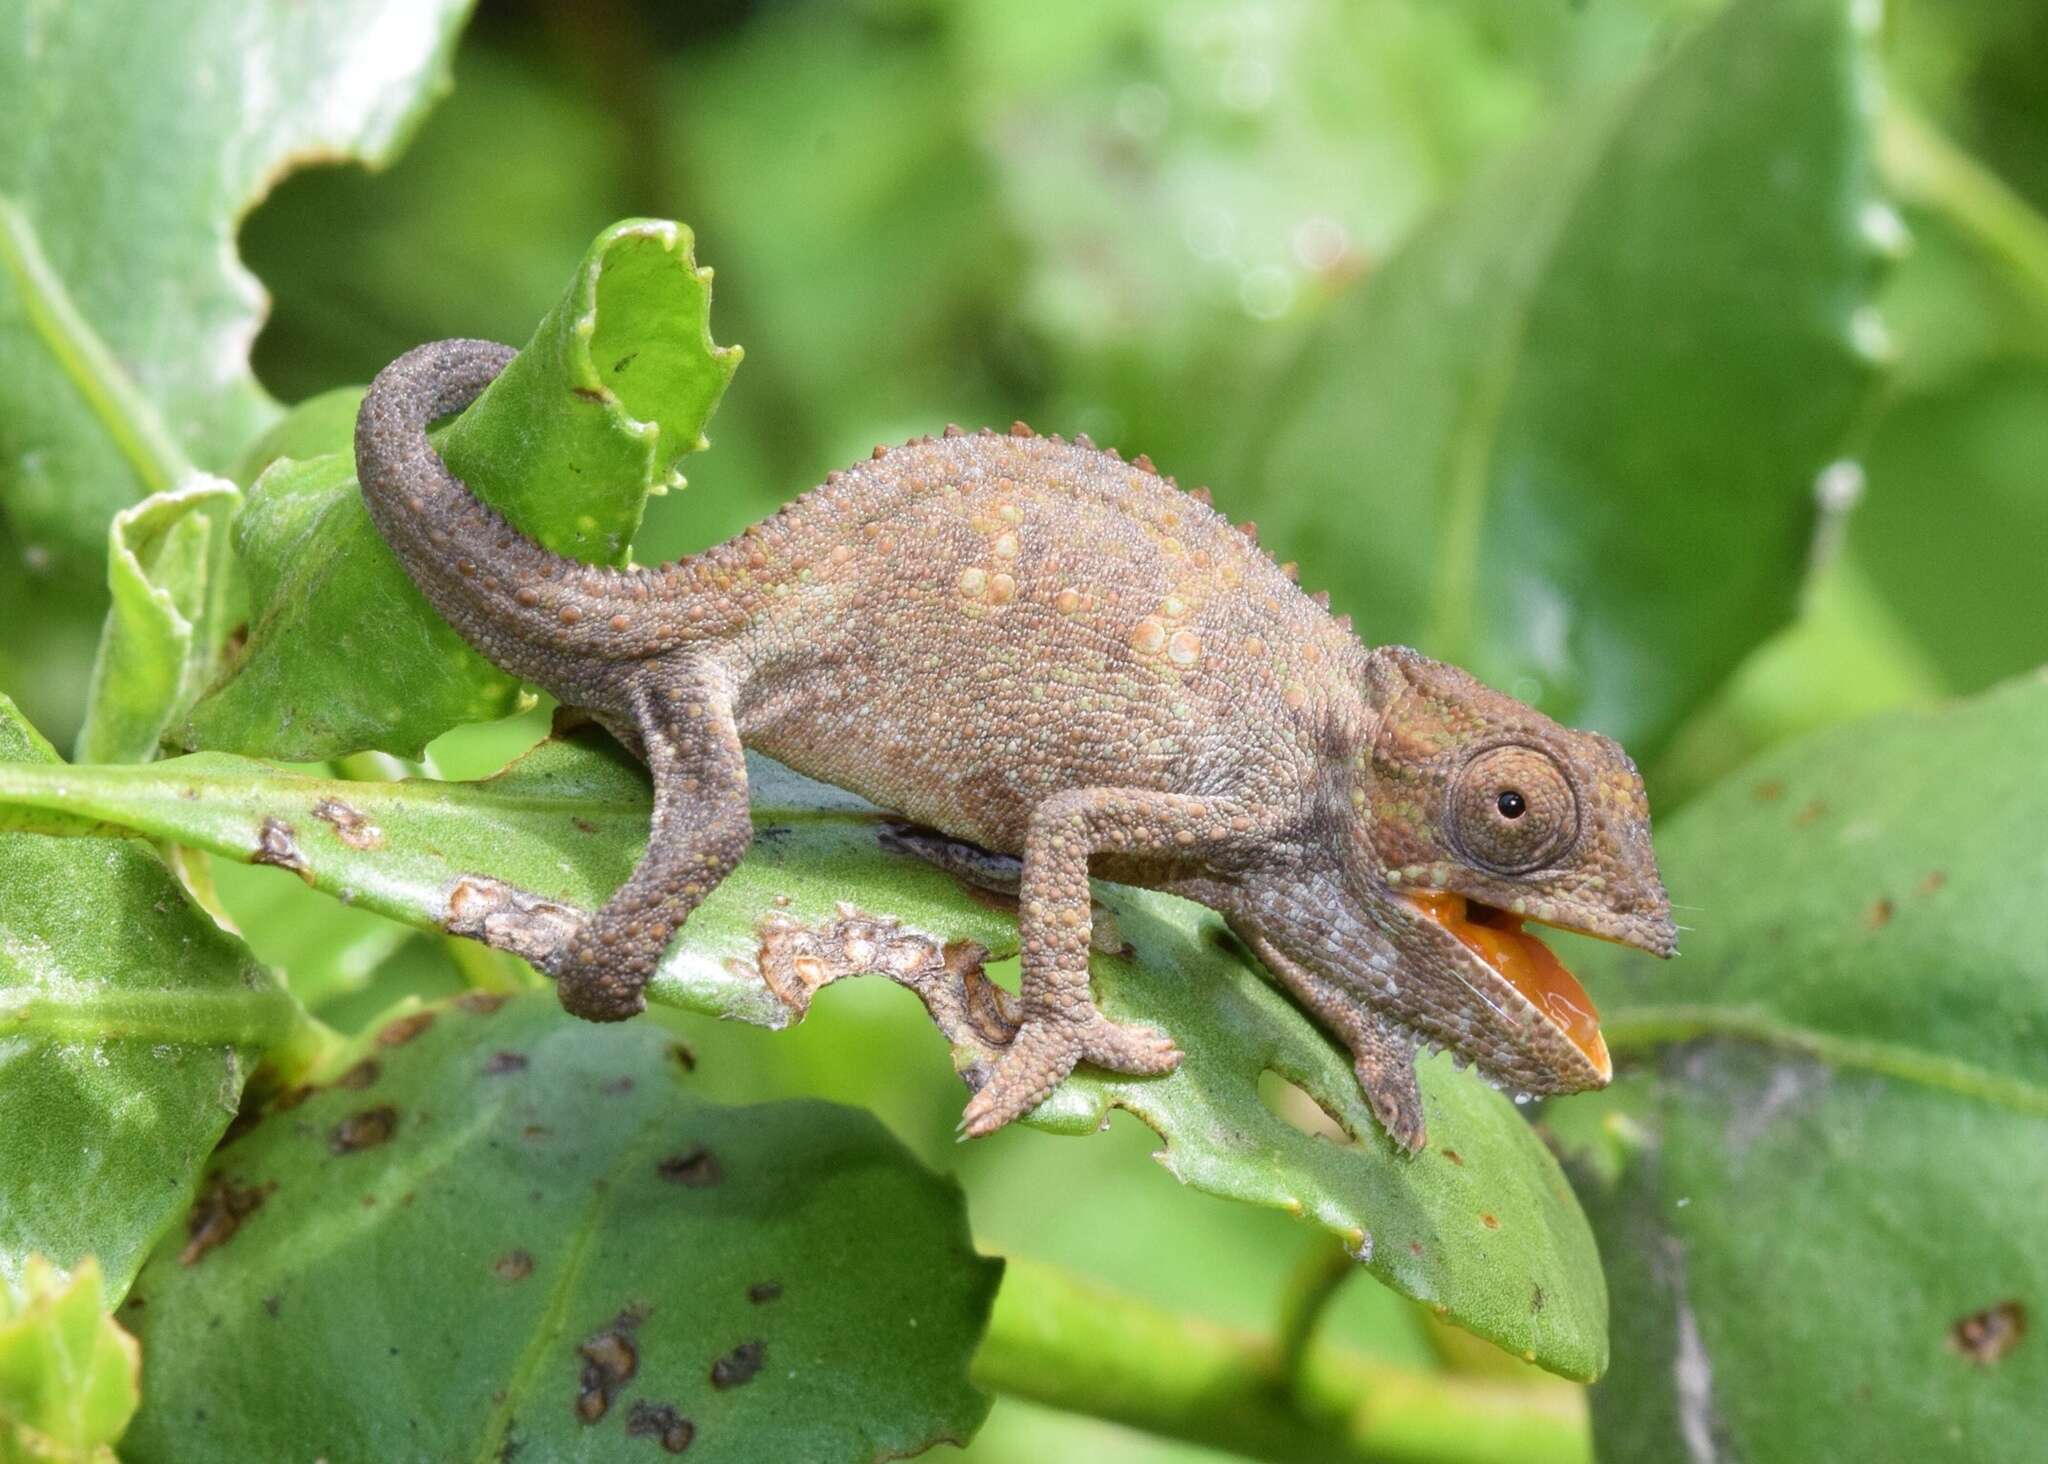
<point>1046,1049</point>
<point>593,988</point>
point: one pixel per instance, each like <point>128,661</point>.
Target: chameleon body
<point>1045,651</point>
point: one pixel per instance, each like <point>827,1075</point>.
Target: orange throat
<point>1526,964</point>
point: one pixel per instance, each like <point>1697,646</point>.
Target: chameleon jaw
<point>1526,964</point>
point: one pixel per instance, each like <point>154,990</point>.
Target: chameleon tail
<point>531,611</point>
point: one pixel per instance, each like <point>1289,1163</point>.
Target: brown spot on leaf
<point>480,1003</point>
<point>796,960</point>
<point>660,1421</point>
<point>1455,1157</point>
<point>1414,1247</point>
<point>584,824</point>
<point>1985,1337</point>
<point>1769,791</point>
<point>290,1098</point>
<point>1933,882</point>
<point>275,844</point>
<point>764,1291</point>
<point>739,1365</point>
<point>361,1075</point>
<point>1491,1222</point>
<point>508,918</point>
<point>514,1265</point>
<point>685,1056</point>
<point>270,1305</point>
<point>500,1063</point>
<point>1535,1300</point>
<point>219,1214</point>
<point>402,1031</point>
<point>1879,915</point>
<point>364,1130</point>
<point>609,1360</point>
<point>1810,814</point>
<point>616,1088</point>
<point>696,1168</point>
<point>351,827</point>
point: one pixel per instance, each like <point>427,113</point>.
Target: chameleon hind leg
<point>701,830</point>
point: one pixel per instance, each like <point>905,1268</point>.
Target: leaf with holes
<point>1568,437</point>
<point>1481,1225</point>
<point>1820,1198</point>
<point>122,1059</point>
<point>125,317</point>
<point>610,394</point>
<point>525,1235</point>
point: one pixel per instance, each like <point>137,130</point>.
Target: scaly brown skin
<point>1039,649</point>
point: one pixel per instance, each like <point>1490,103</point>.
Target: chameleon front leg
<point>701,830</point>
<point>1382,1058</point>
<point>1061,1026</point>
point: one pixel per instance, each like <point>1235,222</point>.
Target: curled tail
<point>529,610</point>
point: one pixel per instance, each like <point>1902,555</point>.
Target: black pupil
<point>1511,804</point>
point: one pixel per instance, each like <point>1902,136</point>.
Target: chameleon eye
<point>1512,810</point>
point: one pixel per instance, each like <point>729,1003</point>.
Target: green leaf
<point>1481,1226</point>
<point>527,1236</point>
<point>1568,437</point>
<point>67,1373</point>
<point>131,1021</point>
<point>125,317</point>
<point>1821,1231</point>
<point>167,566</point>
<point>612,391</point>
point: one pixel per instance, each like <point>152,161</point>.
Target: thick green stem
<point>1070,1344</point>
<point>1323,1267</point>
<point>1925,167</point>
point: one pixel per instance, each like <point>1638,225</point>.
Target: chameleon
<point>1049,653</point>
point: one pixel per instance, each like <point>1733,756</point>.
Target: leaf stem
<point>1072,1344</point>
<point>1322,1269</point>
<point>76,347</point>
<point>1923,165</point>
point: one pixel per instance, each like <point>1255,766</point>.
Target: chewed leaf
<point>1480,1225</point>
<point>125,317</point>
<point>529,1238</point>
<point>610,394</point>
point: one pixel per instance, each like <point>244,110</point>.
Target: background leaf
<point>1819,1210</point>
<point>524,1232</point>
<point>1589,401</point>
<point>124,315</point>
<point>1481,1226</point>
<point>612,391</point>
<point>122,1060</point>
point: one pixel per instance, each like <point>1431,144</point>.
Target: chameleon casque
<point>1040,649</point>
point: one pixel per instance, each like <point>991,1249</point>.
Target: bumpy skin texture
<point>1041,650</point>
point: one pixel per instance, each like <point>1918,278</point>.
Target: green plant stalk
<point>1056,1339</point>
<point>1925,167</point>
<point>1313,1284</point>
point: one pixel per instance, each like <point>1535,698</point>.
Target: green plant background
<point>1679,365</point>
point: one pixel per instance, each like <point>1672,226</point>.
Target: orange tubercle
<point>1525,963</point>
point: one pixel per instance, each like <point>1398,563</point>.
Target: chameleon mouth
<point>1496,937</point>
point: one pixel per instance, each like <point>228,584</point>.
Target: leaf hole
<point>1300,1109</point>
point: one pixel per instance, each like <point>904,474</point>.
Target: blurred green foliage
<point>1179,227</point>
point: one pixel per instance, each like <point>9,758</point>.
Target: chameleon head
<point>1481,813</point>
